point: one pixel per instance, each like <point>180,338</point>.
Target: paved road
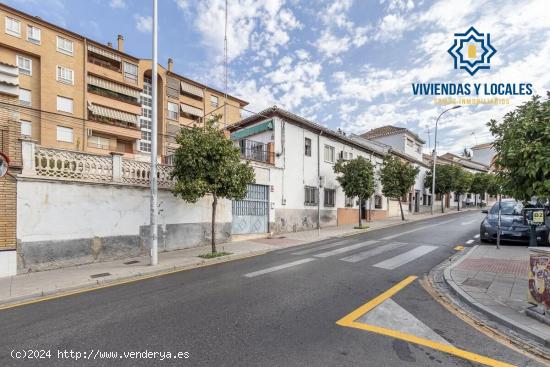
<point>279,309</point>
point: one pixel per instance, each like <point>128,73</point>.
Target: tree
<point>445,175</point>
<point>463,183</point>
<point>207,162</point>
<point>356,178</point>
<point>397,178</point>
<point>522,142</point>
<point>480,184</point>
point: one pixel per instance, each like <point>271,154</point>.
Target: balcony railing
<point>110,94</point>
<point>256,151</point>
<point>103,63</point>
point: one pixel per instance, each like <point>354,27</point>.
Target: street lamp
<point>435,155</point>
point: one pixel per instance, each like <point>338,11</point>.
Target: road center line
<point>279,267</point>
<point>346,248</point>
<point>416,229</point>
<point>469,242</point>
<point>468,222</point>
<point>476,236</point>
<point>405,257</point>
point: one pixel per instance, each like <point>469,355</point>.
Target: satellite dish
<point>4,164</point>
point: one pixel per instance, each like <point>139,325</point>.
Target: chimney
<point>170,64</point>
<point>120,40</point>
<point>109,44</point>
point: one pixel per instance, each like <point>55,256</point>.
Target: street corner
<point>384,316</point>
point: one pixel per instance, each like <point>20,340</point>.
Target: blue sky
<point>343,63</point>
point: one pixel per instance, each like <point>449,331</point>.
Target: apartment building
<point>296,187</point>
<point>79,94</point>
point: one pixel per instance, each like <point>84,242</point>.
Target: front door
<point>251,215</point>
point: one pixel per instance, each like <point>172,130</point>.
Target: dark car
<point>512,224</point>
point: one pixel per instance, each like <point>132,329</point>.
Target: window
<point>64,134</point>
<point>410,143</point>
<point>213,101</point>
<point>99,142</point>
<point>145,124</point>
<point>24,64</point>
<point>329,197</point>
<point>310,195</point>
<point>307,147</point>
<point>26,128</point>
<point>13,27</point>
<point>329,154</point>
<point>173,110</point>
<point>64,104</point>
<point>65,46</point>
<point>378,201</point>
<point>419,149</point>
<point>65,75</point>
<point>33,34</point>
<point>130,72</point>
<point>25,97</point>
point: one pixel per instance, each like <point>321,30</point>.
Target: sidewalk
<point>23,287</point>
<point>495,283</point>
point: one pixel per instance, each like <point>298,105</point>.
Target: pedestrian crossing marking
<point>373,252</point>
<point>346,249</point>
<point>404,258</point>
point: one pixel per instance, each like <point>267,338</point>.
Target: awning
<point>185,108</point>
<point>113,114</point>
<point>103,52</point>
<point>112,86</point>
<point>253,130</point>
<point>192,89</point>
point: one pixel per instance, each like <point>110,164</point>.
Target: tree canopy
<point>522,142</point>
<point>397,178</point>
<point>207,162</point>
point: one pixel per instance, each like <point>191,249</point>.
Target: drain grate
<point>478,283</point>
<point>131,262</point>
<point>99,275</point>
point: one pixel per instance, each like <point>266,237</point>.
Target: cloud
<point>144,24</point>
<point>117,4</point>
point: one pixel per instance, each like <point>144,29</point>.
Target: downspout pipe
<point>319,183</point>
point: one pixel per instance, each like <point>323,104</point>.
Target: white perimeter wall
<point>50,210</point>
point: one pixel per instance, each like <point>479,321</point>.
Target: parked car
<point>513,227</point>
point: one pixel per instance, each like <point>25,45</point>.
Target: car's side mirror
<point>484,211</point>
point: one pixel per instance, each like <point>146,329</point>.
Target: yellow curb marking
<point>459,248</point>
<point>121,282</point>
<point>349,321</point>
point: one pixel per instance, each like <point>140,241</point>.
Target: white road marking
<point>416,229</point>
<point>279,267</point>
<point>476,236</point>
<point>324,247</point>
<point>375,251</point>
<point>346,249</point>
<point>468,222</point>
<point>404,258</point>
<point>469,242</point>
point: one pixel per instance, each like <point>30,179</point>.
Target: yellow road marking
<point>115,283</point>
<point>459,248</point>
<point>349,321</point>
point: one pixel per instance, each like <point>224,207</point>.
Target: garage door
<point>251,214</point>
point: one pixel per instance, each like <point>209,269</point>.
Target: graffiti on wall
<point>539,280</point>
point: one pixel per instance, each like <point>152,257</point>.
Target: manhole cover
<point>131,262</point>
<point>100,275</point>
<point>478,283</point>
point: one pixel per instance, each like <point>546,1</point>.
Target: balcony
<point>256,151</point>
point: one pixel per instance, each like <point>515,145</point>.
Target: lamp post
<point>153,254</point>
<point>435,155</point>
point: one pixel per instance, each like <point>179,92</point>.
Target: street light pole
<point>434,155</point>
<point>154,114</point>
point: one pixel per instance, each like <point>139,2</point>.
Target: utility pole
<point>154,139</point>
<point>435,156</point>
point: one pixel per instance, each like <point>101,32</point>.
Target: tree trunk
<point>443,197</point>
<point>360,212</point>
<point>401,208</point>
<point>214,205</point>
<point>458,204</point>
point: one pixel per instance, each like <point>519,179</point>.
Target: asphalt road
<point>278,309</point>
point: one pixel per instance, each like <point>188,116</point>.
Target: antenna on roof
<point>225,69</point>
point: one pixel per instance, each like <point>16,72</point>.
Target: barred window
<point>329,197</point>
<point>311,195</point>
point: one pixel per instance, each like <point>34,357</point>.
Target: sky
<point>345,64</point>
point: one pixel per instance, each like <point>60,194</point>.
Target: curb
<point>493,315</point>
<point>117,280</point>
